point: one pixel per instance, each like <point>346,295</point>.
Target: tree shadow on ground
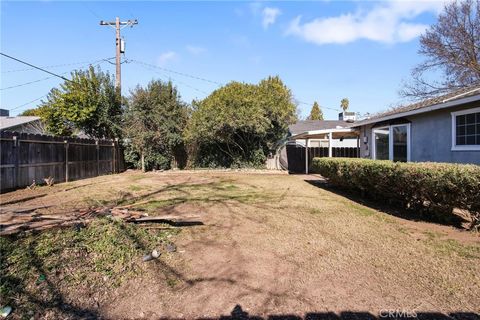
<point>54,300</point>
<point>47,296</point>
<point>239,314</point>
<point>180,188</point>
<point>450,220</point>
<point>23,199</point>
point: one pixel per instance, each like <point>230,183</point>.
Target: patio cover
<point>329,134</point>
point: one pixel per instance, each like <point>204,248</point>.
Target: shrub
<point>430,188</point>
<point>238,124</point>
<point>154,159</point>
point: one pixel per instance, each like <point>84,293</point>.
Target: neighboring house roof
<point>10,122</point>
<point>454,98</point>
<point>310,125</point>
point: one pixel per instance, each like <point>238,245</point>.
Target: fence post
<point>16,145</point>
<point>117,162</point>
<point>97,147</point>
<point>113,157</point>
<point>66,160</point>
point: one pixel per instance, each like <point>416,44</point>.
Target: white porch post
<point>306,155</point>
<point>358,146</point>
<point>330,144</point>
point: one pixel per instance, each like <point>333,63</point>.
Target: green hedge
<point>425,187</point>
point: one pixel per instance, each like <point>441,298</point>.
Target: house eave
<point>435,107</point>
<point>316,133</point>
<point>7,127</point>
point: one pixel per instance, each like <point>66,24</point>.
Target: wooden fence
<point>29,157</point>
<point>296,155</point>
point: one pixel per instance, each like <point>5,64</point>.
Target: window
<point>400,143</point>
<point>466,130</point>
<point>392,143</point>
<point>382,141</point>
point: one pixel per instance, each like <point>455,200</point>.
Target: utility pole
<point>120,48</point>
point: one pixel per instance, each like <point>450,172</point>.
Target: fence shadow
<point>452,220</point>
<point>239,314</point>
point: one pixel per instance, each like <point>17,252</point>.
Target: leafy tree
<point>316,113</point>
<point>452,50</point>
<point>238,124</point>
<point>344,104</point>
<point>31,112</point>
<point>154,123</point>
<point>88,102</point>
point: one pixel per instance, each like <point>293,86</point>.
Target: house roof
<point>10,122</point>
<point>464,95</point>
<point>311,125</point>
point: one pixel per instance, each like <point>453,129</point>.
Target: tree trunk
<point>143,161</point>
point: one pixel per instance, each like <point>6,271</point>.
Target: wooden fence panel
<point>26,158</point>
<point>296,155</point>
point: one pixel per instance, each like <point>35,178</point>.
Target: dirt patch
<point>275,245</point>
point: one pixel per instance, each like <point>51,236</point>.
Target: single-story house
<point>441,129</point>
<point>26,124</point>
<point>322,139</point>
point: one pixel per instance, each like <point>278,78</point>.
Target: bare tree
<point>452,49</point>
<point>35,127</point>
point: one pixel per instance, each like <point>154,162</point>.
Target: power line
<point>207,80</point>
<point>27,103</point>
<point>36,67</point>
<point>176,72</point>
<point>60,65</point>
<point>43,79</point>
<point>91,11</point>
<point>177,81</point>
<point>26,83</point>
<point>322,107</point>
<point>22,105</point>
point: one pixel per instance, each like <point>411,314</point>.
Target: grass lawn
<point>270,244</point>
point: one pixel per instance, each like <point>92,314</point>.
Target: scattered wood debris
<point>49,181</point>
<point>33,186</point>
<point>16,219</point>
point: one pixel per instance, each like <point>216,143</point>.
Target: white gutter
<point>438,106</point>
<point>303,135</point>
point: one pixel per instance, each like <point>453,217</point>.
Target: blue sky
<point>323,51</point>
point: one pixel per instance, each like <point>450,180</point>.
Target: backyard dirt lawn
<point>269,244</point>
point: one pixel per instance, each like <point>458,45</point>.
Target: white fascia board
<point>304,135</point>
<point>422,110</point>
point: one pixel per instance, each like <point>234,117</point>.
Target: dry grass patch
<point>273,244</point>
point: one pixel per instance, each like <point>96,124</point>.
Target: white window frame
<point>454,131</point>
<point>390,140</point>
<point>374,148</point>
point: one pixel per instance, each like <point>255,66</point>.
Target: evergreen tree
<point>154,123</point>
<point>316,113</point>
<point>88,102</point>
